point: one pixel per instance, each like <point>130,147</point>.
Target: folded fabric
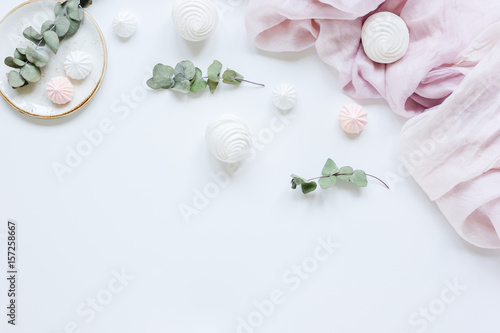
<point>448,39</point>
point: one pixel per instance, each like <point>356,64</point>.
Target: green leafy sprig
<point>331,174</point>
<point>28,61</point>
<point>185,77</point>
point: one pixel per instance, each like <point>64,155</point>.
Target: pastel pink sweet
<point>60,90</point>
<point>352,118</point>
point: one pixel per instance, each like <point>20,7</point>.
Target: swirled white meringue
<point>284,97</point>
<point>352,118</point>
<point>229,139</point>
<point>125,24</point>
<point>77,65</point>
<point>195,19</point>
<point>385,37</point>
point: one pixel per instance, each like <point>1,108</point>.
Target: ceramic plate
<point>32,99</point>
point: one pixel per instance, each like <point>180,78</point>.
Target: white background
<point>119,209</point>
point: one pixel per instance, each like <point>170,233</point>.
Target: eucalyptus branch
<point>330,175</point>
<point>29,61</point>
<point>185,77</point>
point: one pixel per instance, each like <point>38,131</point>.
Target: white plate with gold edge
<point>32,99</point>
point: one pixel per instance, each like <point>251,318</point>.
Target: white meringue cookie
<point>229,139</point>
<point>195,19</point>
<point>60,90</point>
<point>352,118</point>
<point>284,97</point>
<point>385,37</point>
<point>77,65</point>
<point>125,24</point>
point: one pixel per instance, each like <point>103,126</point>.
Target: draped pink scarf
<point>447,83</point>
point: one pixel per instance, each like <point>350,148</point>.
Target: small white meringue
<point>195,19</point>
<point>229,139</point>
<point>125,24</point>
<point>60,90</point>
<point>77,65</point>
<point>385,37</point>
<point>352,118</point>
<point>284,97</point>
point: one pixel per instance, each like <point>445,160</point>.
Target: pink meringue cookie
<point>352,118</point>
<point>60,90</point>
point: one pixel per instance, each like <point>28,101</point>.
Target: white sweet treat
<point>195,19</point>
<point>125,24</point>
<point>385,37</point>
<point>60,90</point>
<point>77,65</point>
<point>284,97</point>
<point>352,118</point>
<point>229,139</point>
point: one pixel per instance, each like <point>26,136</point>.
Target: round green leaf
<point>182,85</point>
<point>214,71</point>
<point>198,84</point>
<point>330,168</point>
<point>31,73</point>
<point>359,178</point>
<point>212,85</point>
<point>185,69</point>
<point>59,9</point>
<point>39,59</point>
<point>231,77</point>
<point>14,62</point>
<point>152,84</point>
<point>327,182</point>
<point>163,76</point>
<point>32,35</point>
<point>345,173</point>
<point>20,54</point>
<point>62,26</point>
<point>73,10</point>
<point>46,26</point>
<point>52,40</point>
<point>309,187</point>
<point>16,80</point>
<point>73,27</point>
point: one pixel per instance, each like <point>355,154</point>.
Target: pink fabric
<point>448,39</point>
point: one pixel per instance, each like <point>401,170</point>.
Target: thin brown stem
<point>258,84</point>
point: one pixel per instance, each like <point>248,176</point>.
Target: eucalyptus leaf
<point>182,85</point>
<point>198,83</point>
<point>73,10</point>
<point>185,69</point>
<point>31,73</point>
<point>345,173</point>
<point>73,27</point>
<point>62,25</point>
<point>16,80</point>
<point>20,54</point>
<point>46,26</point>
<point>298,180</point>
<point>231,77</point>
<point>212,85</point>
<point>33,36</point>
<point>330,168</point>
<point>359,178</point>
<point>327,182</point>
<point>153,85</point>
<point>60,9</point>
<point>14,62</point>
<point>309,187</point>
<point>214,71</point>
<point>163,76</point>
<point>52,40</point>
<point>39,59</point>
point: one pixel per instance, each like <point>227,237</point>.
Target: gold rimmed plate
<point>32,99</point>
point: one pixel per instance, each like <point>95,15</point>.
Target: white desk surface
<point>397,265</point>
